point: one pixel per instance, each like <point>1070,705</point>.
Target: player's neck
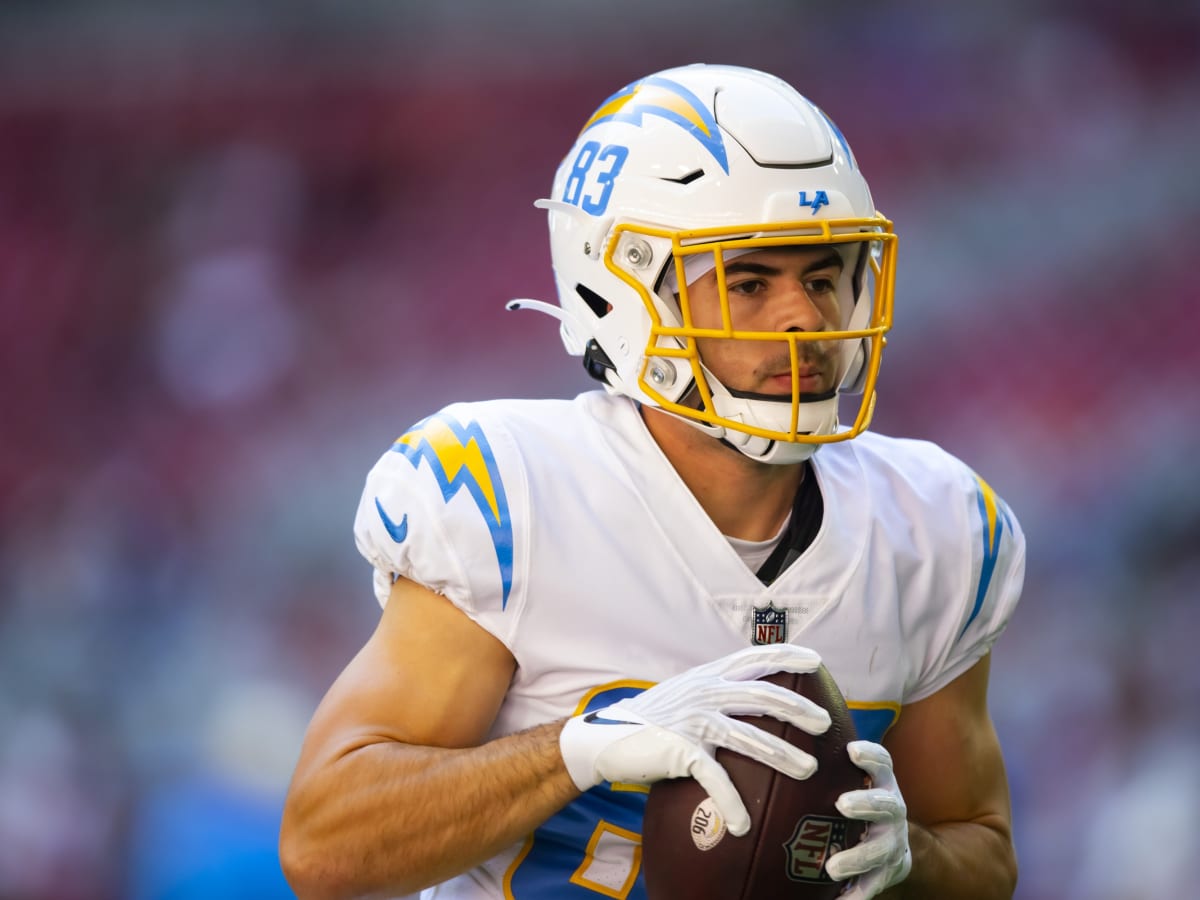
<point>745,499</point>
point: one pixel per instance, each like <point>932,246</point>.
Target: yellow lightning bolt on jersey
<point>459,456</point>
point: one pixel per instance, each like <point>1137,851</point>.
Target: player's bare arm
<point>395,788</point>
<point>949,764</point>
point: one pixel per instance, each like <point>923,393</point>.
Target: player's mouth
<point>810,379</point>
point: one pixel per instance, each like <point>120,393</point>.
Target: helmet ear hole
<point>597,304</point>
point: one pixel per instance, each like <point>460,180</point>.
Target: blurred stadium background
<point>244,245</point>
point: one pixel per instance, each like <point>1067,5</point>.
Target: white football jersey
<point>561,528</point>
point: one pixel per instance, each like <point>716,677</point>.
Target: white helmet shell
<point>697,163</point>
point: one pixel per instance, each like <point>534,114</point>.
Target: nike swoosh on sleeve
<point>398,532</point>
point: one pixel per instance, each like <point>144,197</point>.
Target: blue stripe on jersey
<point>991,510</point>
<point>872,722</point>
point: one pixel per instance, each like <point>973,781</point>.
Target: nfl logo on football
<point>815,839</point>
<point>770,625</point>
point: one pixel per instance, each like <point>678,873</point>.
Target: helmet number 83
<point>590,181</point>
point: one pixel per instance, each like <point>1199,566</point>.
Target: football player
<point>579,595</point>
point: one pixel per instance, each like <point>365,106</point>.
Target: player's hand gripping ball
<point>795,825</point>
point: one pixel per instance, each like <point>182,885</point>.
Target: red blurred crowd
<point>230,276</point>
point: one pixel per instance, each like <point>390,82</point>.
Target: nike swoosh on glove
<point>672,730</point>
<point>882,858</point>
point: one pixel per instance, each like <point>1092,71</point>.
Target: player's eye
<point>748,287</point>
<point>820,285</point>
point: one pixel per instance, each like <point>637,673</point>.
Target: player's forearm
<point>389,818</point>
<point>959,861</point>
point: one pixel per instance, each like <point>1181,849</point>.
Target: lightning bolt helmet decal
<point>657,96</point>
<point>459,456</point>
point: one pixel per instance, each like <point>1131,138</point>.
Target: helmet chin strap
<point>759,449</point>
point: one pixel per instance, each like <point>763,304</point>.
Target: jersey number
<point>590,183</point>
<point>593,846</point>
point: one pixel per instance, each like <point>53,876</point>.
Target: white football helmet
<point>676,174</point>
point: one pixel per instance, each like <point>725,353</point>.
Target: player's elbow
<point>305,866</point>
<point>310,866</point>
<point>1004,858</point>
<point>318,868</point>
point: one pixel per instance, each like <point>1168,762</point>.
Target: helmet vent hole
<point>597,304</point>
<point>688,178</point>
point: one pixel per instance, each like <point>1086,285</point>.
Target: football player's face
<point>783,289</point>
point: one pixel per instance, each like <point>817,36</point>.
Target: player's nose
<point>797,309</point>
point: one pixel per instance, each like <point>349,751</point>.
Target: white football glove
<point>882,858</point>
<point>672,730</point>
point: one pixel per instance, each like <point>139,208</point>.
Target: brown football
<point>795,827</point>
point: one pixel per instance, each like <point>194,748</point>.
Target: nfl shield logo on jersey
<point>770,625</point>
